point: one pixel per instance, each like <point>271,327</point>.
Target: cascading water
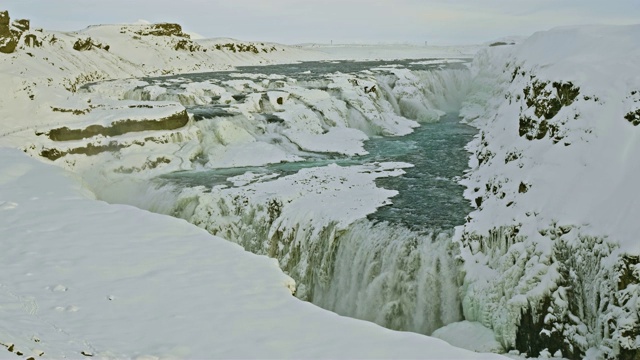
<point>393,276</point>
<point>399,267</point>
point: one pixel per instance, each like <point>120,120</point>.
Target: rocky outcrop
<point>8,42</point>
<point>121,127</point>
<point>89,150</point>
<point>164,29</point>
<point>31,40</point>
<point>633,116</point>
<point>501,43</point>
<point>546,100</point>
<point>20,26</point>
<point>239,47</point>
<point>88,44</point>
<point>188,45</point>
<point>10,33</point>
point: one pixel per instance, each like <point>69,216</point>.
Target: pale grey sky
<point>343,21</point>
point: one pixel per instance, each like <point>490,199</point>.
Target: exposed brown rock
<point>121,127</point>
<point>187,45</point>
<point>31,40</point>
<point>8,42</point>
<point>22,25</point>
<point>88,44</point>
<point>4,19</point>
<point>164,29</point>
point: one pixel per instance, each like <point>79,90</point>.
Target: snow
<point>573,190</point>
<point>391,51</point>
<point>601,141</point>
<point>83,277</point>
<point>317,196</point>
<point>344,141</point>
<point>557,217</point>
<point>469,335</point>
<point>114,281</point>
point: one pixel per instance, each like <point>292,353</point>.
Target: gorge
<point>520,218</point>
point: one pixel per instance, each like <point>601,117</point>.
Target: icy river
<point>429,196</point>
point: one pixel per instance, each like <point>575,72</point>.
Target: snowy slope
<point>552,251</point>
<point>34,79</point>
<point>391,51</point>
<point>84,277</point>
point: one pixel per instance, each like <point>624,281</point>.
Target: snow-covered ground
<point>392,51</point>
<point>85,278</point>
<point>549,257</point>
<point>82,277</point>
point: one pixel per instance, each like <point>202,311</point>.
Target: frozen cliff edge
<point>551,251</point>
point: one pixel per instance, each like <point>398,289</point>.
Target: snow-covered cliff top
<point>565,130</point>
<point>552,251</point>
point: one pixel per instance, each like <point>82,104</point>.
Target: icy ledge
<point>81,276</point>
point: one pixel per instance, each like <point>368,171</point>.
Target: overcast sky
<point>340,21</point>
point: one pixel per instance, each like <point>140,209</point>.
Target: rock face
<point>31,40</point>
<point>8,42</point>
<point>121,127</point>
<point>545,101</point>
<point>4,19</point>
<point>88,44</point>
<point>10,34</point>
<point>21,25</point>
<point>164,29</point>
<point>187,45</point>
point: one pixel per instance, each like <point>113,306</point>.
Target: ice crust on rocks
<point>551,250</point>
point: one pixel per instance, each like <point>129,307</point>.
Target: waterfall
<point>393,276</point>
<point>376,271</point>
<point>380,272</point>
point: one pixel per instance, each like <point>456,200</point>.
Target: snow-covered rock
<point>551,250</point>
